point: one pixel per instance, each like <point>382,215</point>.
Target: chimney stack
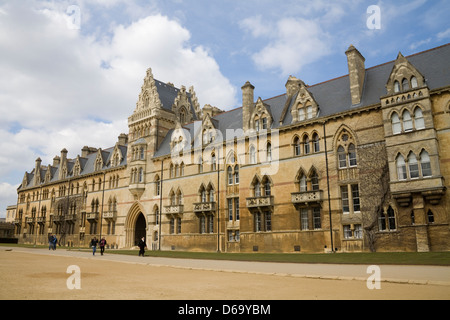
<point>247,104</point>
<point>356,73</point>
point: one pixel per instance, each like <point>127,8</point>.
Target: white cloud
<point>293,43</point>
<point>8,196</point>
<point>69,88</point>
<point>444,34</point>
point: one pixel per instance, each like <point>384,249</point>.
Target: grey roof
<point>167,95</point>
<point>332,97</point>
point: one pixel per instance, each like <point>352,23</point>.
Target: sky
<point>71,71</point>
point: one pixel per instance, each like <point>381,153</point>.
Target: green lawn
<point>405,258</point>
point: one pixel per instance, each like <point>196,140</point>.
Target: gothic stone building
<point>356,163</point>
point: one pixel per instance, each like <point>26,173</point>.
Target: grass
<point>402,258</point>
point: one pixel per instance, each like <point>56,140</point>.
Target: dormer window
<point>264,123</point>
<point>414,83</point>
<point>405,84</point>
<point>396,87</point>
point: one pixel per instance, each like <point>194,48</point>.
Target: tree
<point>374,188</point>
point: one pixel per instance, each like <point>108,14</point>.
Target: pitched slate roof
<point>334,97</point>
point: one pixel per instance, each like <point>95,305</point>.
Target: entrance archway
<point>139,229</point>
<point>135,225</point>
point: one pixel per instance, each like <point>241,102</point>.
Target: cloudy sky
<point>71,71</point>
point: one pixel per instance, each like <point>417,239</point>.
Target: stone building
<point>356,163</point>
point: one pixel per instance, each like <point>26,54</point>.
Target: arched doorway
<point>135,225</point>
<point>139,229</point>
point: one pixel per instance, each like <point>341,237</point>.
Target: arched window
<point>407,121</point>
<point>141,175</point>
<point>396,86</point>
<point>269,152</point>
<point>414,83</point>
<point>309,112</point>
<point>303,184</point>
<point>236,174</point>
<point>418,119</point>
<point>413,166</point>
<point>230,175</point>
<point>183,115</point>
<point>213,162</point>
<point>401,168</point>
<point>267,187</point>
<point>315,181</point>
<point>391,218</point>
<point>342,157</point>
<point>352,155</point>
<point>430,216</point>
<point>301,114</point>
<point>316,145</point>
<point>405,84</point>
<point>157,185</point>
<point>306,146</point>
<point>203,195</point>
<point>257,189</point>
<point>425,164</point>
<point>396,124</point>
<point>296,146</point>
<point>200,165</point>
<point>252,155</point>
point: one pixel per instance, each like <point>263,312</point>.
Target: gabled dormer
<point>261,118</point>
<point>182,107</point>
<point>76,171</point>
<point>117,156</point>
<point>404,77</point>
<point>209,129</point>
<point>48,174</point>
<point>305,107</point>
<point>179,141</point>
<point>99,161</point>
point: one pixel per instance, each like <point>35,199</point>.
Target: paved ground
<point>27,273</point>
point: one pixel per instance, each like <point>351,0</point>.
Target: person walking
<point>102,245</point>
<point>50,242</point>
<point>54,241</point>
<point>142,245</point>
<point>93,245</point>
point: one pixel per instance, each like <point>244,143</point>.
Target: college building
<point>356,163</point>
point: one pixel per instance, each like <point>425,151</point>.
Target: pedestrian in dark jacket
<point>93,245</point>
<point>102,245</point>
<point>142,245</point>
<point>55,241</point>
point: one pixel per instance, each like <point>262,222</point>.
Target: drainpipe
<point>103,201</point>
<point>328,185</point>
<point>218,200</point>
<point>160,204</point>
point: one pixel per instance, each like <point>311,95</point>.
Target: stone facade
<point>356,163</point>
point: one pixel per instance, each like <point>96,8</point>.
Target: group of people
<point>94,242</point>
<point>52,241</point>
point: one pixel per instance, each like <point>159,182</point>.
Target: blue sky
<point>71,71</point>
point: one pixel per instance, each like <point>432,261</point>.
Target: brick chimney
<point>356,73</point>
<point>247,104</point>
